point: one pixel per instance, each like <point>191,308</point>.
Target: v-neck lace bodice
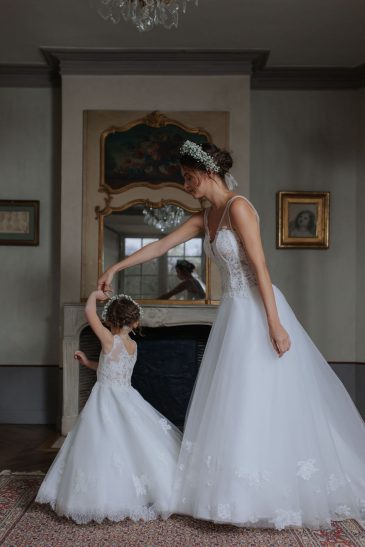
<point>115,368</point>
<point>229,254</point>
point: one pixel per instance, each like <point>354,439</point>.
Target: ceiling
<point>296,32</point>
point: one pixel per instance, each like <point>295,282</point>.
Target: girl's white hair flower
<point>190,148</point>
<point>118,297</point>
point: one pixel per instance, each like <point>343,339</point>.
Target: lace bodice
<point>229,254</point>
<point>115,368</point>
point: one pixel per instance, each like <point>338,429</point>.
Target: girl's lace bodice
<point>229,254</point>
<point>115,368</point>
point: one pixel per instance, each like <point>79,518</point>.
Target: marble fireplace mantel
<point>74,321</point>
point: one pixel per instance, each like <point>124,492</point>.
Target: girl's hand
<point>280,339</point>
<point>81,357</point>
<point>105,282</point>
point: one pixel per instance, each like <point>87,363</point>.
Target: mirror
<point>180,275</point>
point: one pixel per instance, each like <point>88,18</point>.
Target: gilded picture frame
<point>19,222</point>
<point>303,220</point>
<point>144,153</point>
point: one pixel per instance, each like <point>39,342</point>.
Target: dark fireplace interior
<point>167,364</point>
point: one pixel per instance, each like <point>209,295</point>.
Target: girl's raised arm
<point>104,335</point>
<point>191,228</point>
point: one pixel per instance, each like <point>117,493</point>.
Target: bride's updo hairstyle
<point>221,158</point>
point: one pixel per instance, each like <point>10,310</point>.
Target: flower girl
<point>119,459</point>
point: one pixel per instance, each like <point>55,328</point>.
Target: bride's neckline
<point>211,241</point>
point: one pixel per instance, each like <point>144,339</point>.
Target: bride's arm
<point>191,228</point>
<point>244,220</point>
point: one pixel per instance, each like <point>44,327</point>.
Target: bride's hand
<point>105,282</point>
<point>280,339</point>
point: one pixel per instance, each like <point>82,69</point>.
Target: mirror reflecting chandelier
<point>145,14</point>
<point>164,217</point>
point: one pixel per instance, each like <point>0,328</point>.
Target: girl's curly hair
<point>122,312</point>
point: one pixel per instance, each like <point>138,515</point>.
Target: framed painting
<point>19,222</point>
<point>303,220</point>
<point>144,152</point>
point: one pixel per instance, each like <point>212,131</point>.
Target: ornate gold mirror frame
<point>122,192</point>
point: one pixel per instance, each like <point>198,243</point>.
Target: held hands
<point>100,295</point>
<point>280,339</point>
<point>105,283</point>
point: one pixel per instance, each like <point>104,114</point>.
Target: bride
<point>271,439</point>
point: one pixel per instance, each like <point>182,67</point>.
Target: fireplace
<point>168,362</point>
<point>169,355</point>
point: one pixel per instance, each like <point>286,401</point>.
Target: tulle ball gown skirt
<point>268,442</point>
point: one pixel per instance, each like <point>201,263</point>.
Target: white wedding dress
<point>119,459</point>
<point>268,442</point>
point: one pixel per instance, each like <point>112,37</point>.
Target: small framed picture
<point>19,222</point>
<point>303,220</point>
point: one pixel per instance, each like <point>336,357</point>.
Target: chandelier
<point>164,217</point>
<point>145,14</point>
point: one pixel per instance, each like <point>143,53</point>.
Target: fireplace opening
<point>167,365</point>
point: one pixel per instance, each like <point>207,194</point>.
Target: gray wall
<point>307,140</point>
<point>29,276</point>
<point>299,140</point>
<point>361,232</point>
<point>360,315</point>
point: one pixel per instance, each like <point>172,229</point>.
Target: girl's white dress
<point>119,459</point>
<point>268,441</point>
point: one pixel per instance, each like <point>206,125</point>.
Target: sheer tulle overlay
<point>268,441</point>
<point>119,459</point>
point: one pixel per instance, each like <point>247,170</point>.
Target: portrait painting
<point>303,220</point>
<point>145,152</point>
<point>19,222</point>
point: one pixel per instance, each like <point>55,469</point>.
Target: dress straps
<point>228,206</point>
<point>225,212</point>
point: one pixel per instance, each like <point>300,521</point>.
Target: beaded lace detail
<point>116,367</point>
<point>229,254</point>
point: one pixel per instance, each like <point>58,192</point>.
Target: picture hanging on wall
<point>303,220</point>
<point>19,222</point>
<point>145,152</point>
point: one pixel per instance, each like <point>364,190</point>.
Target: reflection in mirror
<point>178,275</point>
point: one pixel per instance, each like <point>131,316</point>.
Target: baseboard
<point>29,394</point>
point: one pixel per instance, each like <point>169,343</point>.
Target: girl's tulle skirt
<point>117,462</point>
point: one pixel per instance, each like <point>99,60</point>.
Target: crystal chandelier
<point>164,217</point>
<point>145,14</point>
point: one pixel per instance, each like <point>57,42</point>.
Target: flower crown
<point>190,148</point>
<point>117,297</point>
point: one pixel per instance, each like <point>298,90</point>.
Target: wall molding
<point>28,366</point>
<point>154,61</point>
<point>346,362</point>
<point>28,76</point>
<point>75,61</point>
<point>316,78</point>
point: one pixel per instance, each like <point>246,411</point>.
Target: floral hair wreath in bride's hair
<point>190,148</point>
<point>118,297</point>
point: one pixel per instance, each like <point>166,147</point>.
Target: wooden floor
<point>27,447</point>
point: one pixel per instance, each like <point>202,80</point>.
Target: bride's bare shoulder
<point>242,208</point>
